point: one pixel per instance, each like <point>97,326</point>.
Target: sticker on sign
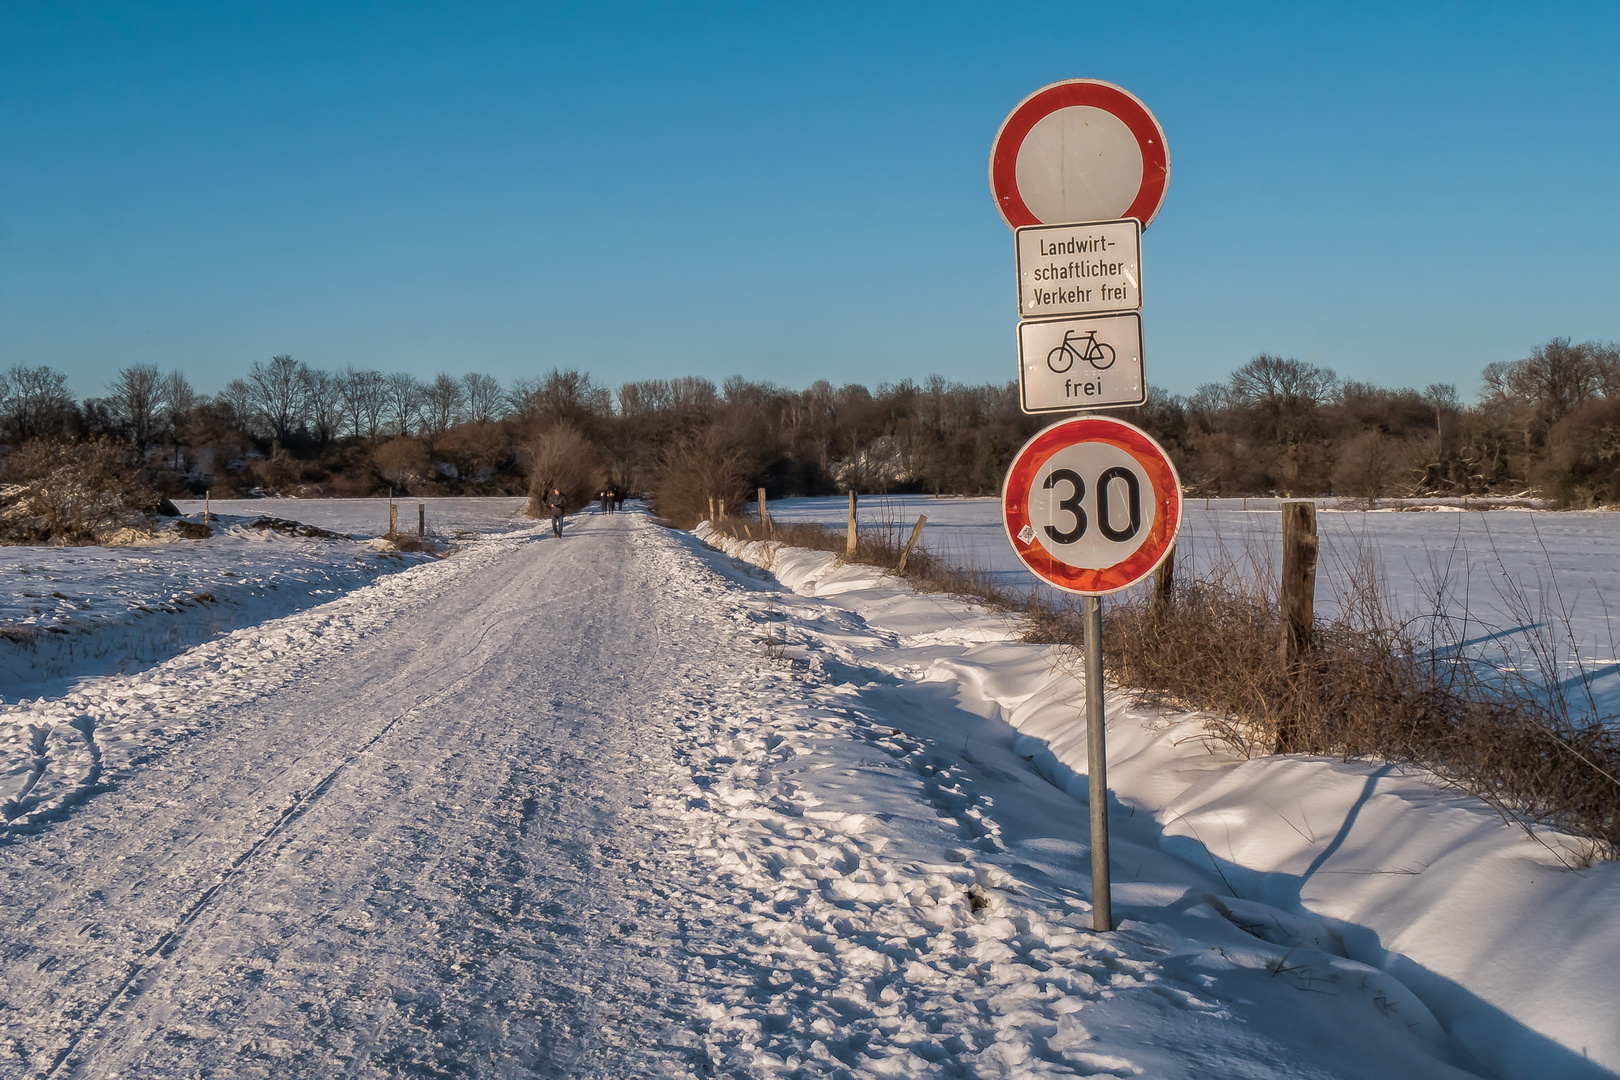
<point>1083,363</point>
<point>1085,269</point>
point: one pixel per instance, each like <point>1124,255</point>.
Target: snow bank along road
<point>621,805</point>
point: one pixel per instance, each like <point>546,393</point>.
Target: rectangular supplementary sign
<point>1094,362</point>
<point>1088,268</point>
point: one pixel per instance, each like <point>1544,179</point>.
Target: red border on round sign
<point>1166,492</point>
<point>1062,95</point>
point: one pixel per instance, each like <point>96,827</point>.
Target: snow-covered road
<point>615,806</point>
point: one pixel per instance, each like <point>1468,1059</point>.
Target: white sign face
<point>1091,505</point>
<point>1082,363</point>
<point>1078,164</point>
<point>1079,150</point>
<point>1089,268</point>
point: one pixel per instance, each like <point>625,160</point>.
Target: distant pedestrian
<point>558,504</point>
<point>604,500</point>
<point>618,500</point>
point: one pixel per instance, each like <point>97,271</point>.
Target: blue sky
<point>1402,192</point>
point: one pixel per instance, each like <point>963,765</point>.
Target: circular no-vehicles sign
<point>1092,505</point>
<point>1079,150</point>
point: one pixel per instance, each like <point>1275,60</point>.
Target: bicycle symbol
<point>1099,354</point>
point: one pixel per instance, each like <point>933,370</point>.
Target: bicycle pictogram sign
<point>1099,354</point>
<point>1086,362</point>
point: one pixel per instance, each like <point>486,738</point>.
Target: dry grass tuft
<point>1372,689</point>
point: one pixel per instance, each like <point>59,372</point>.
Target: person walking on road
<point>558,504</point>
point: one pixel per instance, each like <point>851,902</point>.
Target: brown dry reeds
<point>1372,689</point>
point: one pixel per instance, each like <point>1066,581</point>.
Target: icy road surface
<point>570,809</point>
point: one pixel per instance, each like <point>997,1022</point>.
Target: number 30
<point>1133,501</point>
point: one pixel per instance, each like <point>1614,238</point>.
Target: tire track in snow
<point>142,974</point>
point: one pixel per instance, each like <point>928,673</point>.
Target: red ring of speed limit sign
<point>1054,521</point>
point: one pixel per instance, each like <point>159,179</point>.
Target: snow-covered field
<point>625,805</point>
<point>86,611</point>
<point>1501,577</point>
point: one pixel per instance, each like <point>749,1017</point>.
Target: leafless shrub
<point>402,461</point>
<point>1374,688</point>
<point>706,465</point>
<point>72,493</point>
<point>562,457</point>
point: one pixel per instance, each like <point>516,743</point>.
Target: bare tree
<point>34,401</point>
<point>136,396</point>
<point>561,396</point>
<point>1553,381</point>
<point>562,457</point>
<point>180,401</point>
<point>1283,392</point>
<point>364,397</point>
<point>241,402</point>
<point>441,404</point>
<point>324,397</point>
<point>1442,398</point>
<point>482,394</point>
<point>281,393</point>
<point>404,397</point>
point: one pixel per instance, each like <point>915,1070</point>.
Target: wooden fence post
<point>421,519</point>
<point>207,497</point>
<point>916,531</point>
<point>764,521</point>
<point>393,519</point>
<point>849,544</point>
<point>1164,587</point>
<point>1297,599</point>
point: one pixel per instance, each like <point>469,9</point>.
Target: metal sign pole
<point>1102,913</point>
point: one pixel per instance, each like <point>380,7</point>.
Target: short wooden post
<point>764,522</point>
<point>1297,599</point>
<point>393,519</point>
<point>1164,587</point>
<point>421,519</point>
<point>849,543</point>
<point>711,508</point>
<point>207,495</point>
<point>916,531</point>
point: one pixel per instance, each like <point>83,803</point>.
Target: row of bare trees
<point>283,397</point>
<point>1549,421</point>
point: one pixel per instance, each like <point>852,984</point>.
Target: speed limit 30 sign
<point>1092,505</point>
